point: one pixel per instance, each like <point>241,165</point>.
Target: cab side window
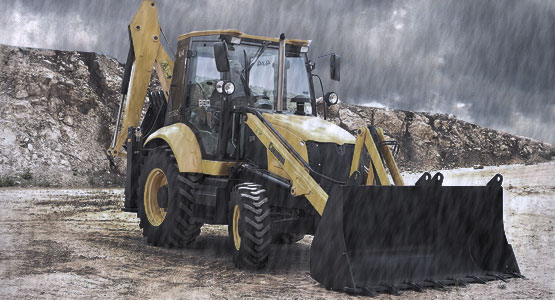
<point>205,103</point>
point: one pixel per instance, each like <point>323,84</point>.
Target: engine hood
<point>309,128</point>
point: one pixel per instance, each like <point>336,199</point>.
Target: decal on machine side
<point>277,155</point>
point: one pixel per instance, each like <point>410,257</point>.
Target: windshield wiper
<point>248,66</point>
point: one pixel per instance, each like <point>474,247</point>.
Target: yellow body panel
<point>217,168</point>
<point>232,32</point>
<point>296,130</point>
<point>302,183</point>
<point>310,128</point>
<point>186,149</point>
<point>295,141</point>
<point>184,145</point>
<point>239,34</point>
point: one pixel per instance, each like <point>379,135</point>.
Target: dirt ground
<point>76,243</point>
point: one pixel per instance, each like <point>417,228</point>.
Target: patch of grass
<point>27,175</point>
<point>6,181</point>
<point>43,183</point>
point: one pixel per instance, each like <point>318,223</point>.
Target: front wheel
<point>165,201</point>
<point>249,226</point>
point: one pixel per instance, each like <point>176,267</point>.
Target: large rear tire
<point>249,226</point>
<point>165,201</point>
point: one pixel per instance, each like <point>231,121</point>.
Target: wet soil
<point>76,243</point>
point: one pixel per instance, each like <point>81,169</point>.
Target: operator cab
<point>251,73</point>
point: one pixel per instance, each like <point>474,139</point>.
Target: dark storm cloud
<point>490,62</point>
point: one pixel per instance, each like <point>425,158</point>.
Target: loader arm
<point>364,138</point>
<point>146,52</point>
<point>302,182</point>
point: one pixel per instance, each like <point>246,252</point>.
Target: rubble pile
<point>58,110</point>
<point>431,141</point>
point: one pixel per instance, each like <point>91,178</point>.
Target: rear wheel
<point>165,201</point>
<point>249,226</point>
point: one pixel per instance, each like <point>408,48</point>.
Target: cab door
<point>205,104</point>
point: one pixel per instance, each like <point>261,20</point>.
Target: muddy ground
<point>76,243</point>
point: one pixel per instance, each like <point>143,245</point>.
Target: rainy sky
<point>488,62</point>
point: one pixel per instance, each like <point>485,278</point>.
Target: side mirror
<point>335,66</point>
<point>312,65</point>
<point>220,54</point>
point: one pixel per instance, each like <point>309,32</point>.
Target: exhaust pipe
<point>281,68</point>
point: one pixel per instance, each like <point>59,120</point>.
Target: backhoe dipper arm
<point>145,52</point>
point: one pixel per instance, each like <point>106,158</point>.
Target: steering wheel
<point>202,91</point>
<point>215,122</point>
<point>261,101</point>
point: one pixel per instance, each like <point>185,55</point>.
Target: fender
<point>186,149</point>
<point>184,145</point>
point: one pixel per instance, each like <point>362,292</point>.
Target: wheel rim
<point>236,236</point>
<point>155,180</point>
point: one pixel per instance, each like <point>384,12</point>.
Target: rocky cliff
<point>430,141</point>
<point>58,109</point>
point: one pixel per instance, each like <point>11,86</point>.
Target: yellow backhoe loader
<point>234,138</point>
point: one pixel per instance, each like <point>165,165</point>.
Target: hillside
<point>56,116</point>
<point>58,108</point>
<point>430,141</point>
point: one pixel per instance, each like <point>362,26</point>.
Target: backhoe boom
<point>147,53</point>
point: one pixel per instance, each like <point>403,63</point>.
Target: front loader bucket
<point>375,239</point>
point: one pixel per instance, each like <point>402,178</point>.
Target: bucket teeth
<point>420,286</point>
<point>415,287</point>
<point>498,277</point>
<point>370,292</point>
<point>478,279</point>
<point>393,290</point>
<point>437,284</point>
<point>350,290</point>
<point>518,275</point>
<point>458,282</point>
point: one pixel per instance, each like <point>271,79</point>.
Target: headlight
<point>220,86</point>
<point>229,88</point>
<point>331,98</point>
<point>226,87</point>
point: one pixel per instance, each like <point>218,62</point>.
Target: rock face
<point>58,110</point>
<point>437,141</point>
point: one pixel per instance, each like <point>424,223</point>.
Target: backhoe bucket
<point>374,239</point>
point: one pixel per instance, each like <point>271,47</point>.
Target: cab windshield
<point>254,71</point>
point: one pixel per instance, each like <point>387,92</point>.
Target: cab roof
<point>239,34</point>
